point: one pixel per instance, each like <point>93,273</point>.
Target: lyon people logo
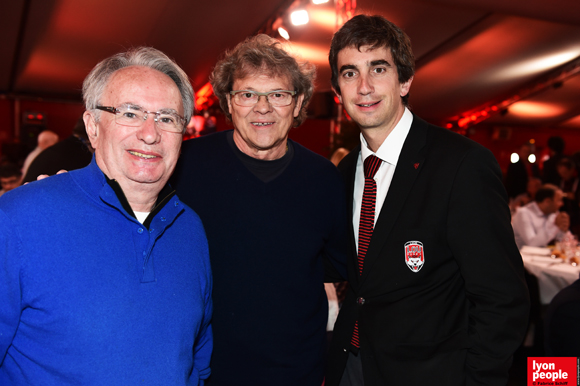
<point>553,371</point>
<point>414,255</point>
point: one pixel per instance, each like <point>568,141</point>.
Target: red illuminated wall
<point>313,134</point>
<point>505,141</point>
<point>60,117</point>
<point>6,121</point>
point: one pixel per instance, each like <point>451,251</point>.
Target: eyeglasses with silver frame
<point>135,116</point>
<point>248,98</point>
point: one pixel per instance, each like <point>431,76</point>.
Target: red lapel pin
<point>417,165</point>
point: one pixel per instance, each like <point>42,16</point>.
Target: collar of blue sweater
<point>108,188</point>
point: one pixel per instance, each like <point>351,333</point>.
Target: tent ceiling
<point>469,53</point>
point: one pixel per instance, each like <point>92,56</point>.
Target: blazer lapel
<point>408,168</point>
<point>348,170</point>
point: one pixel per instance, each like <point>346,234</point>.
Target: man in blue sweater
<point>275,218</point>
<point>104,273</point>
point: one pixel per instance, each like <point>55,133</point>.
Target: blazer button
<point>360,301</point>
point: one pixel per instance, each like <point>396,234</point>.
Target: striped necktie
<point>367,221</point>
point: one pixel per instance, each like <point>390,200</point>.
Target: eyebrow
<point>131,106</point>
<point>254,90</point>
<point>134,106</point>
<point>347,67</point>
<point>380,62</point>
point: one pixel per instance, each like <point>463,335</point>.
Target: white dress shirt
<point>532,227</point>
<point>388,152</point>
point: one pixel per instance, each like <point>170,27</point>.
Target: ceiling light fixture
<point>299,17</point>
<point>319,1</point>
<point>283,33</point>
<point>538,65</point>
<point>461,122</point>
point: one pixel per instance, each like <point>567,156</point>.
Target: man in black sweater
<point>275,218</point>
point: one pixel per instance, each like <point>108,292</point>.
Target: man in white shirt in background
<point>45,140</point>
<point>539,222</point>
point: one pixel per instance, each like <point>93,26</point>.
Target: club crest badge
<point>414,255</point>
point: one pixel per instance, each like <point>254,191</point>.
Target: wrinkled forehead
<point>133,75</point>
<point>143,83</point>
<point>262,83</point>
<point>248,72</point>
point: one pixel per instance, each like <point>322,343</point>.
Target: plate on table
<point>536,251</point>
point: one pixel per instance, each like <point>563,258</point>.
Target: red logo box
<point>552,371</point>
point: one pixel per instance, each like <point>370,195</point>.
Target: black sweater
<point>269,244</point>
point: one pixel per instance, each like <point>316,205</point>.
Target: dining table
<point>553,272</point>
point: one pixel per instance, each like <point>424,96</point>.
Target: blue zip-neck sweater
<point>89,296</point>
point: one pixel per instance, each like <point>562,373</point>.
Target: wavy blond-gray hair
<point>262,54</point>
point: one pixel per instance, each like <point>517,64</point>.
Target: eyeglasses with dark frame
<point>248,98</point>
<point>134,116</point>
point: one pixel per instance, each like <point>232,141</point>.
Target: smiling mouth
<point>141,155</point>
<point>261,124</point>
<point>367,105</point>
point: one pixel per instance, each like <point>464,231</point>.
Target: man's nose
<point>149,132</point>
<point>263,105</point>
<point>365,87</point>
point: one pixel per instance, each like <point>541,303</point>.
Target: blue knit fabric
<point>268,242</point>
<point>89,296</point>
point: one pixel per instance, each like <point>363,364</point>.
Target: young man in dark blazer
<point>437,293</point>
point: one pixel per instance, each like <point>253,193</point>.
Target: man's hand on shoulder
<point>43,176</point>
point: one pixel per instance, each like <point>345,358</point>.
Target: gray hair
<point>95,83</point>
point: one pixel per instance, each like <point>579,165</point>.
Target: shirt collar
<point>166,193</point>
<point>391,147</point>
<point>533,206</point>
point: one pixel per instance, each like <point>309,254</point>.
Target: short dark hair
<point>546,191</point>
<point>8,170</point>
<point>376,32</point>
<point>257,55</point>
<point>557,144</point>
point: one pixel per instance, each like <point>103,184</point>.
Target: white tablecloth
<point>552,274</point>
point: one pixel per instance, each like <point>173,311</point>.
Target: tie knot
<point>371,165</point>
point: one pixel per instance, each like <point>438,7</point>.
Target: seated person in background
<point>519,173</point>
<point>539,222</point>
<point>44,140</point>
<point>569,185</point>
<point>562,337</point>
<point>556,147</point>
<point>534,183</point>
<point>72,153</point>
<point>10,177</point>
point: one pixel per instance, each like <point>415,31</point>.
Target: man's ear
<point>229,99</point>
<point>405,87</point>
<point>91,128</point>
<point>337,95</point>
<point>298,106</point>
